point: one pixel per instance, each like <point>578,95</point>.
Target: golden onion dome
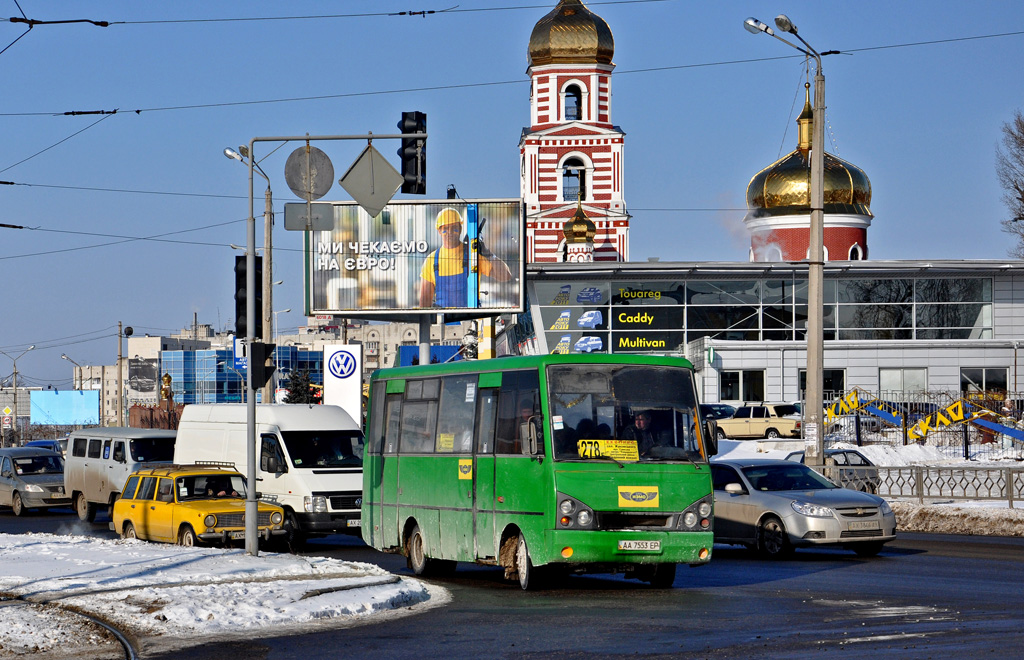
<point>571,34</point>
<point>579,228</point>
<point>784,187</point>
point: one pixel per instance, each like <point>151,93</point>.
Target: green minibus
<point>540,464</point>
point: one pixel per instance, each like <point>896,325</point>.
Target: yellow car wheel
<point>187,537</point>
<point>129,531</point>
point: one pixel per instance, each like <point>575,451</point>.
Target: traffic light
<point>241,327</point>
<point>261,362</point>
<point>413,153</point>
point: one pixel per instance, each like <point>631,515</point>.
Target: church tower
<point>779,206</point>
<point>571,154</point>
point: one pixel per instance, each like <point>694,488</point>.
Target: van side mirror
<point>711,437</point>
<point>528,432</point>
<point>272,465</point>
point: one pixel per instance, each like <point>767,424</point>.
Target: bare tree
<point>1010,170</point>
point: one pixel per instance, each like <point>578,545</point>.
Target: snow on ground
<point>167,595</point>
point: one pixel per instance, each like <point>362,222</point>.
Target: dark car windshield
<point>152,449</point>
<point>30,465</point>
<point>309,449</point>
<point>785,477</point>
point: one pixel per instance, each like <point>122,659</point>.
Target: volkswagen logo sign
<point>342,364</point>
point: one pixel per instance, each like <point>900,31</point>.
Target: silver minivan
<point>31,478</point>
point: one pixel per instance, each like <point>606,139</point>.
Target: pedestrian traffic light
<point>241,313</point>
<point>261,363</point>
<point>413,153</point>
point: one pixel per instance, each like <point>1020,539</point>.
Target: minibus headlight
<point>567,507</point>
<point>704,509</point>
<point>315,504</point>
<point>210,520</point>
<point>690,519</point>
<point>584,518</point>
<point>276,518</point>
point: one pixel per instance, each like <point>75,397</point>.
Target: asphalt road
<point>925,596</point>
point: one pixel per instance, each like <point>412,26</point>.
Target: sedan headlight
<point>32,488</point>
<point>812,510</point>
<point>275,518</point>
<point>885,508</point>
<point>210,520</point>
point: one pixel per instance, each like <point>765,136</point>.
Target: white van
<point>100,459</point>
<point>309,459</point>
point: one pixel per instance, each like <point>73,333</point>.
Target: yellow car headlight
<point>276,518</point>
<point>210,520</point>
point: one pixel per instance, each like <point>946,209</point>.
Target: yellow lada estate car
<point>190,504</point>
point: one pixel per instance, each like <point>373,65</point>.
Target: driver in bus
<point>642,431</point>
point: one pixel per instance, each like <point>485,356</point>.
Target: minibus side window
<point>485,421</point>
<point>119,451</point>
<point>95,446</point>
<point>106,449</point>
<point>393,425</point>
<point>78,449</point>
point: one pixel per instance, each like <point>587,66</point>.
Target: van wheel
<point>294,539</point>
<point>129,531</point>
<point>187,537</point>
<point>86,510</point>
<point>17,506</point>
<point>524,567</point>
<point>416,553</point>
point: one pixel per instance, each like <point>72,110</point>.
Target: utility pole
<point>120,380</point>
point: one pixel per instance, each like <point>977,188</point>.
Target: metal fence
<point>924,482</point>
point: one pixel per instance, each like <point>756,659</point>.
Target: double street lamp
<point>814,405</point>
<point>14,360</point>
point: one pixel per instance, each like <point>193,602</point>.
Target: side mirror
<point>711,437</point>
<point>734,489</point>
<point>528,432</point>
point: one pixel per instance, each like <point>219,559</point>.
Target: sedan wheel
<point>187,537</point>
<point>17,506</point>
<point>129,531</point>
<point>771,433</point>
<point>721,434</point>
<point>773,541</point>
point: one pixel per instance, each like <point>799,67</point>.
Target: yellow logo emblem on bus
<point>465,468</point>
<point>638,496</point>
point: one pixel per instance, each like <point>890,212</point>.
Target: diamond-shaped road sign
<point>372,181</point>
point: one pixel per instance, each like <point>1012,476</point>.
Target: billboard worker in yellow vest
<point>445,274</point>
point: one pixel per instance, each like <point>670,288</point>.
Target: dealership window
<point>833,382</point>
<point>741,386</point>
<point>909,379</point>
<point>979,379</point>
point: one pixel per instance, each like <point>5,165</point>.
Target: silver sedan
<point>776,505</point>
<point>30,478</point>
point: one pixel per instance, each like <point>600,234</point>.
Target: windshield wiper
<point>609,458</point>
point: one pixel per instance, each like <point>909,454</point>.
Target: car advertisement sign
<point>343,378</point>
<point>445,256</point>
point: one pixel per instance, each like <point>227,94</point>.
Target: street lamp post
<point>813,437</point>
<point>14,360</point>
<point>78,372</point>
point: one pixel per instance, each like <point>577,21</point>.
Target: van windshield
<point>309,449</point>
<point>152,449</point>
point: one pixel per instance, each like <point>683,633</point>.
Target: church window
<point>573,103</point>
<point>574,184</point>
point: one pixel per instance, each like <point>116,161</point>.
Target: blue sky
<point>703,103</point>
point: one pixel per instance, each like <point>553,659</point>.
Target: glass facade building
<point>210,376</point>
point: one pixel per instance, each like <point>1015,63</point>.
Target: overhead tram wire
<point>42,151</point>
<point>434,88</point>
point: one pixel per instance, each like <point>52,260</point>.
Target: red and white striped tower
<point>571,150</point>
<point>778,199</point>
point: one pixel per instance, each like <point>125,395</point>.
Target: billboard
<point>435,256</point>
<point>142,384</point>
<point>65,408</point>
